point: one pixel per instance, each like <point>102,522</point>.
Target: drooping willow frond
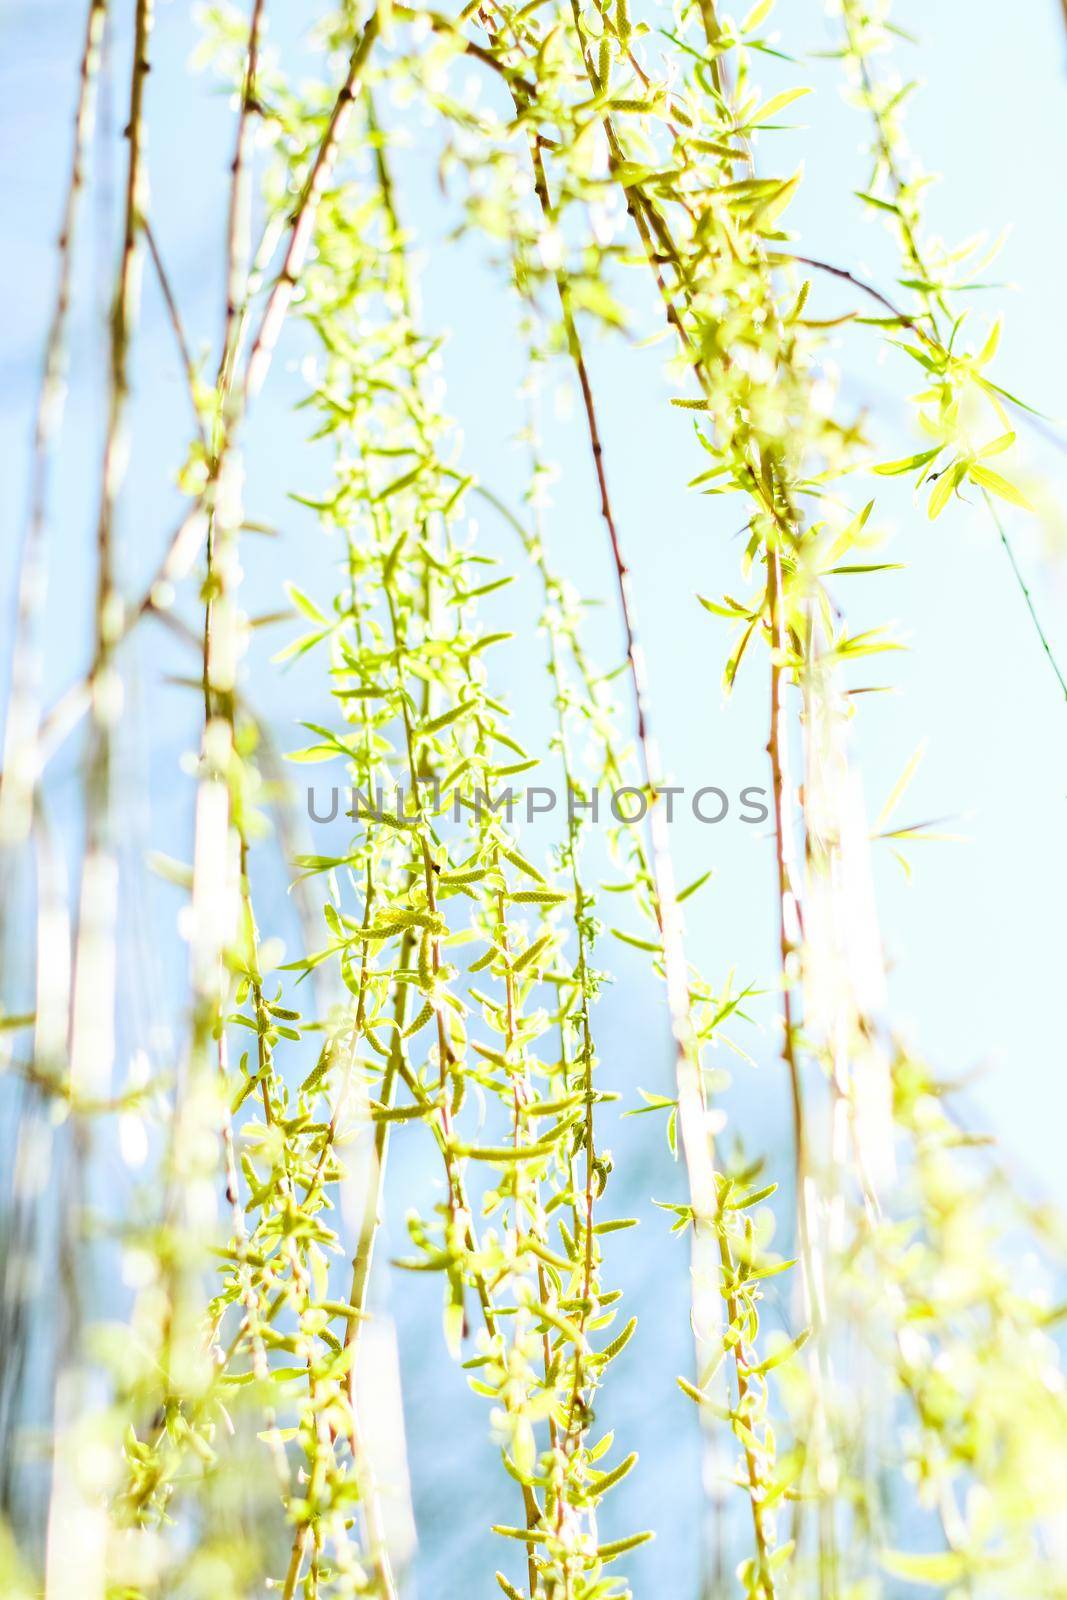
<point>874,1374</point>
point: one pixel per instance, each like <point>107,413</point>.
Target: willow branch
<point>448,27</point>
<point>92,1002</point>
<point>1025,589</point>
<point>303,226</point>
<point>189,538</point>
<point>789,924</point>
<point>236,221</point>
<point>174,316</point>
<point>577,1412</point>
<point>92,1019</point>
<point>933,296</point>
<point>692,1108</point>
<point>20,737</point>
<point>857,283</point>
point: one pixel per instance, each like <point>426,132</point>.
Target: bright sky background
<point>975,940</point>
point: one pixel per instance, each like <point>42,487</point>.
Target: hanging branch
<point>520,1285</point>
<point>955,377</point>
<point>18,780</point>
<point>303,225</point>
<point>174,316</point>
<point>19,777</point>
<point>45,1081</point>
<point>237,285</point>
<point>185,544</point>
<point>92,1014</point>
<point>236,1438</point>
<point>93,1002</point>
<point>93,992</point>
<point>692,1108</point>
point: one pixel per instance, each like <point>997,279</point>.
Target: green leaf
<point>536,950</point>
<point>745,1202</point>
<point>892,469</point>
<point>504,1154</point>
<point>942,1567</point>
<point>610,1479</point>
<point>898,790</point>
<point>381,1113</point>
<point>638,944</point>
<point>403,482</point>
<point>997,446</point>
<point>315,752</point>
<point>942,491</point>
<point>759,13</point>
<point>446,718</point>
<point>786,1353</point>
<point>619,1343</point>
<point>730,611</point>
<point>856,571</point>
<point>23,1020</point>
<point>517,859</point>
<point>776,103</point>
<point>619,1547</point>
<point>989,349</point>
<point>389,564</point>
<point>773,1270</point>
<point>1002,487</point>
<point>697,883</point>
<point>172,871</point>
<point>879,204</point>
<point>304,605</point>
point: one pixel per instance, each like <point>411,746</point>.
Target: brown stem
<point>692,1108</point>
<point>449,27</point>
<point>92,1011</point>
<point>20,735</point>
<point>92,1004</point>
<point>177,326</point>
<point>858,283</point>
<point>304,218</point>
<point>189,537</point>
<point>236,223</point>
<point>789,923</point>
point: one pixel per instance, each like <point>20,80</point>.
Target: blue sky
<point>975,939</point>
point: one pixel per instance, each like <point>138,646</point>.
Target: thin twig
<point>932,295</point>
<point>1024,587</point>
<point>20,735</point>
<point>177,326</point>
<point>857,283</point>
<point>92,1002</point>
<point>92,1019</point>
<point>236,220</point>
<point>303,226</point>
<point>188,539</point>
<point>1028,417</point>
<point>692,1111</point>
